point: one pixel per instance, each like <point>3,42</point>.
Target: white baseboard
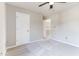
<point>67,43</point>
<point>26,43</point>
<point>10,47</point>
<point>43,40</point>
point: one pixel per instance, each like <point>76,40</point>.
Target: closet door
<point>22,28</point>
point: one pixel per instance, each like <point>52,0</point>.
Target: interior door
<point>22,28</point>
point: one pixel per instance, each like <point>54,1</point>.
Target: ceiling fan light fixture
<point>51,6</point>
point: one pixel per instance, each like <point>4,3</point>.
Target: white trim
<point>66,43</point>
<point>26,43</point>
<point>10,47</point>
<point>43,40</point>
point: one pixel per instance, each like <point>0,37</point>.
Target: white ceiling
<point>33,6</point>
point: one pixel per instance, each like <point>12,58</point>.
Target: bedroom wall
<point>67,26</point>
<point>11,26</point>
<point>36,31</point>
<point>2,27</point>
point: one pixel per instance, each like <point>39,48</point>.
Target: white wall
<point>55,20</point>
<point>2,27</point>
<point>67,26</point>
<point>36,27</point>
<point>36,31</point>
<point>11,26</point>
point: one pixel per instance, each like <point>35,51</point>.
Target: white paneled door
<point>22,28</point>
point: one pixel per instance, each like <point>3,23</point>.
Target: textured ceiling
<point>33,6</point>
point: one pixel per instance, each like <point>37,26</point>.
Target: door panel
<point>22,28</point>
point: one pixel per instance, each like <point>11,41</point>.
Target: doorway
<point>46,27</point>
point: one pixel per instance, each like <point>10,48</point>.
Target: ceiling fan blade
<point>43,4</point>
<point>60,2</point>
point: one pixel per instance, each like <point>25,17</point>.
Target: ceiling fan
<point>50,4</point>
